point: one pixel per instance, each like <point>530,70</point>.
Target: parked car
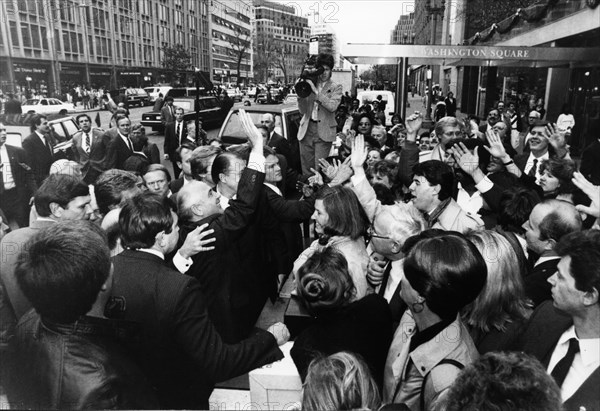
<point>211,113</point>
<point>251,92</point>
<point>131,97</point>
<point>291,98</point>
<point>154,91</point>
<point>46,105</point>
<point>62,128</point>
<point>235,94</point>
<point>287,122</point>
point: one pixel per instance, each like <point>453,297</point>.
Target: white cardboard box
<point>276,386</point>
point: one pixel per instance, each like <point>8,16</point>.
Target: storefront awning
<point>472,55</point>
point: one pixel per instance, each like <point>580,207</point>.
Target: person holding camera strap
<point>318,126</point>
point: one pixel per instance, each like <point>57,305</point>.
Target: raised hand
<point>343,173</point>
<point>555,137</point>
<point>329,169</point>
<point>316,178</point>
<point>254,136</point>
<point>359,152</point>
<point>496,148</point>
<point>195,243</point>
<point>592,191</point>
<point>468,162</point>
<point>413,123</point>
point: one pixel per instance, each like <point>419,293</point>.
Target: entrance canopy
<point>488,56</point>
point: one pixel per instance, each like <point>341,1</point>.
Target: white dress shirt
<point>396,275</point>
<point>7,174</point>
<point>529,165</point>
<point>584,364</point>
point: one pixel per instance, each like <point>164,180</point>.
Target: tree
<point>264,50</point>
<point>176,59</point>
<point>240,45</point>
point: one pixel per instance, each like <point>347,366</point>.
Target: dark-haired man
<point>432,187</point>
<point>181,351</point>
<point>569,345</point>
<point>61,197</point>
<point>66,354</point>
<point>548,223</point>
<point>39,146</point>
<point>175,136</point>
<point>90,147</point>
<point>167,112</point>
<point>318,125</point>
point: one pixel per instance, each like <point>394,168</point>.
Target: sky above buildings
<point>354,21</point>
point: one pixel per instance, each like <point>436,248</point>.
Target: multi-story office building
<point>231,41</point>
<point>281,38</point>
<point>404,32</point>
<point>51,45</point>
<point>328,41</point>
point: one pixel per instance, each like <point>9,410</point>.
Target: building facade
<point>281,42</point>
<point>231,41</point>
<point>52,45</point>
<point>404,32</point>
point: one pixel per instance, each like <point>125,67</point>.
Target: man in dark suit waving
<point>39,146</point>
<point>90,147</point>
<point>569,345</point>
<point>181,352</point>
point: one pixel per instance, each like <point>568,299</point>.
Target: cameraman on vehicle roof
<point>318,106</point>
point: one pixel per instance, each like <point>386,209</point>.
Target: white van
<point>366,97</point>
<point>154,91</point>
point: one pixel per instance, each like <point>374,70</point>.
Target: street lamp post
<point>429,94</point>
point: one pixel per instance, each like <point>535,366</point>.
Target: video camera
<point>310,71</point>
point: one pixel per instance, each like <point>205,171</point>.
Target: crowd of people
<point>461,274</point>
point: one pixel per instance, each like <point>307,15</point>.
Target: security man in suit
<point>16,182</point>
<point>90,147</point>
<point>175,136</point>
<point>39,146</point>
<point>564,333</point>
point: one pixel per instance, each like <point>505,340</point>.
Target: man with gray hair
<point>548,222</point>
<point>278,142</point>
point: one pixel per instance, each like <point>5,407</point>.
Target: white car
<point>234,94</point>
<point>46,106</point>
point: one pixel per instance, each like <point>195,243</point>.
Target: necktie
<point>386,277</point>
<point>533,170</point>
<point>178,130</point>
<point>561,369</point>
<point>87,143</point>
<point>129,144</point>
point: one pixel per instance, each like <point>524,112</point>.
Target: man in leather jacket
<point>65,354</point>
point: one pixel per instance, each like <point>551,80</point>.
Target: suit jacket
<point>363,327</point>
<point>240,273</point>
<point>166,116</point>
<point>290,213</point>
<point>172,142</point>
<point>454,218</point>
<point>450,106</point>
<point>176,185</point>
<point>21,172</point>
<point>40,157</point>
<point>93,163</point>
<point>539,339</point>
<point>10,246</point>
<point>181,352</point>
<point>330,98</point>
<point>118,151</point>
<point>536,282</point>
<point>283,147</point>
<point>590,162</point>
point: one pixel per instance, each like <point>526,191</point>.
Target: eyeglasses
<point>371,233</point>
<point>453,133</point>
